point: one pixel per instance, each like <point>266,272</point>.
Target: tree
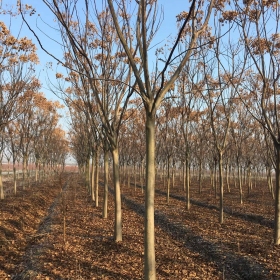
<point>148,89</point>
<point>17,60</point>
<point>167,127</point>
<point>258,24</point>
<point>99,75</point>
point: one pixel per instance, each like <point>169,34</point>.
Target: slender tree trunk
<point>188,204</point>
<point>249,179</point>
<point>200,177</point>
<point>212,177</point>
<point>92,178</point>
<point>227,178</point>
<point>106,174</point>
<point>272,188</point>
<point>240,183</point>
<point>184,177</point>
<point>269,181</point>
<point>234,176</point>
<point>87,174</point>
<point>36,171</point>
<point>142,175</point>
<point>128,177</point>
<point>149,239</point>
<point>164,179</point>
<point>215,179</point>
<point>1,183</point>
<point>15,177</point>
<point>8,168</point>
<point>277,197</point>
<point>118,208</point>
<point>221,187</point>
<point>168,179</point>
<point>135,177</point>
<point>96,177</point>
<point>24,171</point>
<point>173,177</point>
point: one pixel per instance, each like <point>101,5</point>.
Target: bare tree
<point>258,24</point>
<point>144,25</point>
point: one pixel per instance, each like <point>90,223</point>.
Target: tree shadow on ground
<point>233,266</point>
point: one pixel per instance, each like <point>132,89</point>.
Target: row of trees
<point>218,75</point>
<point>28,121</point>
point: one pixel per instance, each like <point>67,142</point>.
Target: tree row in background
<point>29,131</point>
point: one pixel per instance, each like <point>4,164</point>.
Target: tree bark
<point>24,170</point>
<point>221,187</point>
<point>134,176</point>
<point>184,177</point>
<point>117,188</point>
<point>240,183</point>
<point>168,179</point>
<point>106,174</point>
<point>1,184</point>
<point>277,197</point>
<point>92,178</point>
<point>200,177</point>
<point>149,239</point>
<point>187,184</point>
<point>15,178</point>
<point>87,174</point>
<point>96,177</point>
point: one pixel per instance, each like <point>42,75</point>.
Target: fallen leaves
<point>189,244</point>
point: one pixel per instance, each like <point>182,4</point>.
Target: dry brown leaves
<point>189,244</point>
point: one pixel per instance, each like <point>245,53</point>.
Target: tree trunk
<point>24,171</point>
<point>227,177</point>
<point>92,178</point>
<point>1,183</point>
<point>277,197</point>
<point>187,184</point>
<point>8,168</point>
<point>106,174</point>
<point>164,176</point>
<point>128,177</point>
<point>173,177</point>
<point>15,178</point>
<point>36,171</point>
<point>168,179</point>
<point>149,238</point>
<point>200,177</point>
<point>249,179</point>
<point>134,177</point>
<point>117,188</point>
<point>240,183</point>
<point>221,187</point>
<point>269,181</point>
<point>142,178</point>
<point>96,177</point>
<point>87,174</point>
<point>215,179</point>
<point>184,177</point>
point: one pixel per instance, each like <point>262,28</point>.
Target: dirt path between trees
<point>31,267</point>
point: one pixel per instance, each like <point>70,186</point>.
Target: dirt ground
<point>190,244</point>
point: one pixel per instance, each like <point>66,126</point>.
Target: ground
<point>52,230</point>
